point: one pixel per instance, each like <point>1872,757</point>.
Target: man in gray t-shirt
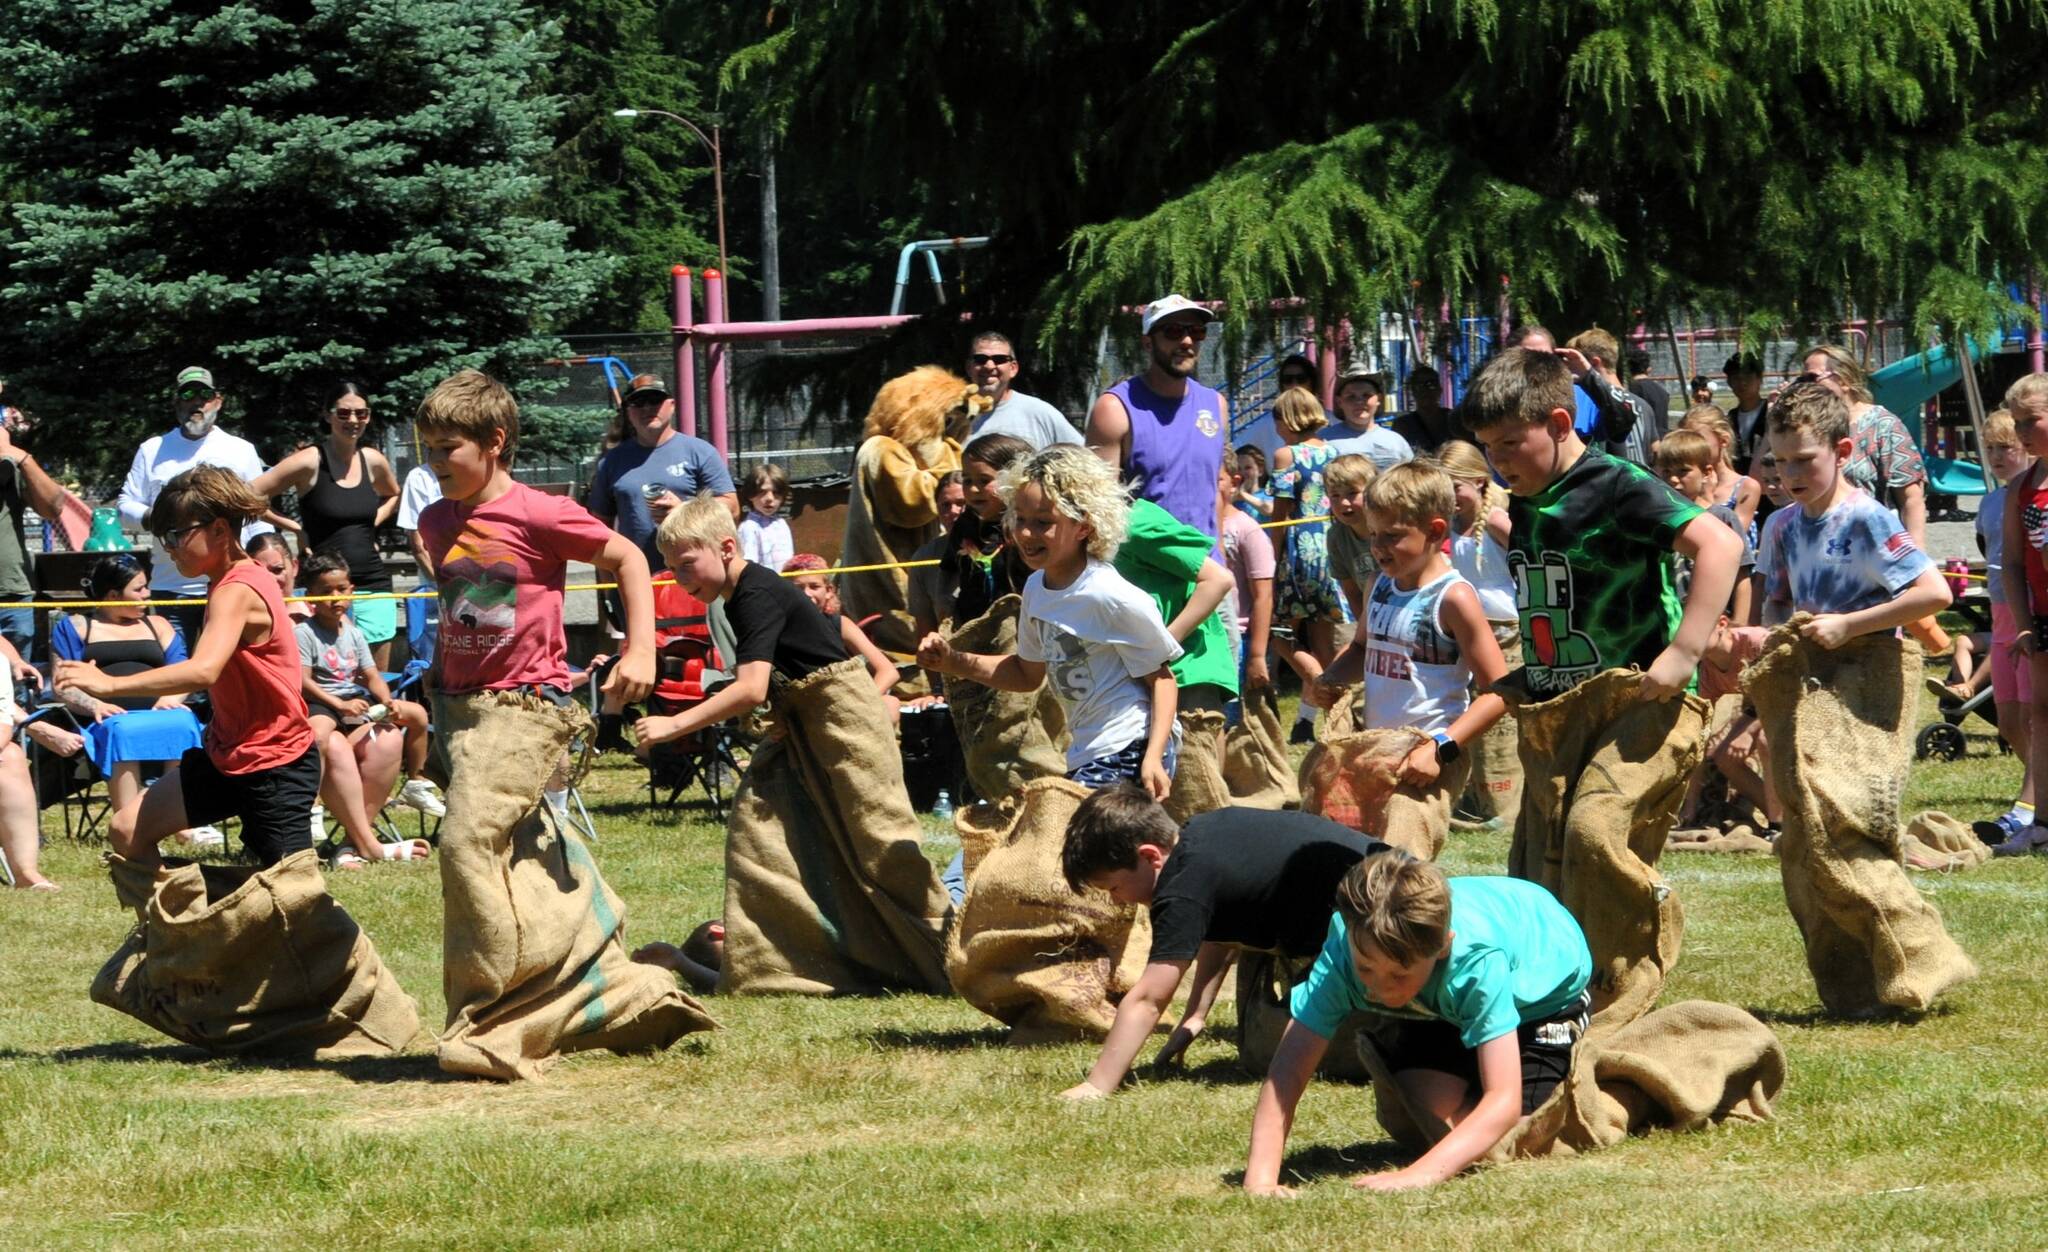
<point>992,365</point>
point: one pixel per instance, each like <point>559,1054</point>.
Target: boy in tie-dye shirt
<point>1840,555</point>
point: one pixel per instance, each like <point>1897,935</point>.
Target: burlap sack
<point>1198,785</point>
<point>1256,766</point>
<point>1936,841</point>
<point>1735,839</point>
<point>1027,950</point>
<point>1684,1067</point>
<point>1264,983</point>
<point>1838,722</point>
<point>1007,737</point>
<point>1493,795</point>
<point>237,959</point>
<point>1603,775</point>
<point>1351,776</point>
<point>827,889</point>
<point>534,963</point>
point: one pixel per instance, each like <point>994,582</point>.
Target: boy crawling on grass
<point>1487,978</point>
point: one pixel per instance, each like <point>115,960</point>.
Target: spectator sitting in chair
<point>343,688</point>
<point>121,637</point>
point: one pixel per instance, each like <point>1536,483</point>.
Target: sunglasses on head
<point>990,358</point>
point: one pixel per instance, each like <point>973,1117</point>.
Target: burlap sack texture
<point>1264,981</point>
<point>534,962</point>
<point>1198,785</point>
<point>827,890</point>
<point>1351,776</point>
<point>1008,738</point>
<point>1027,950</point>
<point>1256,766</point>
<point>1684,1067</point>
<point>1603,775</point>
<point>1736,839</point>
<point>237,960</point>
<point>1493,793</point>
<point>1838,722</point>
<point>1936,841</point>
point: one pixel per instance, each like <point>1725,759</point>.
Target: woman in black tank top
<point>346,491</point>
<point>120,639</point>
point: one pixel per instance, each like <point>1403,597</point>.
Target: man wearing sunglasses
<point>992,367</point>
<point>1165,432</point>
<point>195,441</point>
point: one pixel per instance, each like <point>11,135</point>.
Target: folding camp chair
<point>688,668</point>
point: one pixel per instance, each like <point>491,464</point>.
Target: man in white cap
<point>992,367</point>
<point>1166,433</point>
<point>194,442</point>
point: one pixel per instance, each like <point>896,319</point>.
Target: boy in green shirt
<point>1487,977</point>
<point>1591,543</point>
<point>1175,565</point>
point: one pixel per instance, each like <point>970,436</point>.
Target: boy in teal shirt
<point>1488,977</point>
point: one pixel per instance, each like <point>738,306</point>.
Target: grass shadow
<point>957,1040</point>
<point>1825,1019</point>
<point>1221,1071</point>
<point>405,1067</point>
<point>1324,1161</point>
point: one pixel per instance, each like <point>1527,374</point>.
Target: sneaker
<point>422,796</point>
<point>1304,732</point>
<point>2031,839</point>
<point>206,837</point>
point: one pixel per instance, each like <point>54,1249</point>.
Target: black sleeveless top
<point>121,657</point>
<point>342,521</point>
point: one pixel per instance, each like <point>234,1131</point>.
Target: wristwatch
<point>1447,748</point>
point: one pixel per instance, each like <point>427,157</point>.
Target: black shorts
<point>275,805</point>
<point>1547,1047</point>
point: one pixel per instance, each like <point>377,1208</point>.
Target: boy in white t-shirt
<point>1425,641</point>
<point>1098,639</point>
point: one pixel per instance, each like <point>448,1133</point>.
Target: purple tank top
<point>1177,447</point>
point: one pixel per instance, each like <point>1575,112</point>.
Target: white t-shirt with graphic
<point>1097,637</point>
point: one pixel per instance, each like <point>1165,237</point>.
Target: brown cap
<point>644,385</point>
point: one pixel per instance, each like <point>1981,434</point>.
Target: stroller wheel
<point>1940,741</point>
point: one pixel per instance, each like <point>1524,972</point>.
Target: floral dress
<point>1306,589</point>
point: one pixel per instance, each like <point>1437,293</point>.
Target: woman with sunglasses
<point>1883,460</point>
<point>346,492</point>
<point>121,638</point>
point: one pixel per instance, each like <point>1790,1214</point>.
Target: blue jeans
<point>19,627</point>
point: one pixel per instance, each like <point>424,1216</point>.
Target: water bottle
<point>1958,576</point>
<point>943,806</point>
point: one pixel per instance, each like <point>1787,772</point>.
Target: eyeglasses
<point>644,402</point>
<point>353,415</point>
<point>170,539</point>
<point>1196,331</point>
<point>194,393</point>
<point>990,358</point>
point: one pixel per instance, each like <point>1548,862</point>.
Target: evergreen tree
<point>640,190</point>
<point>288,193</point>
<point>1786,163</point>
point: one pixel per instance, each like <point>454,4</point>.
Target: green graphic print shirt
<point>1591,556</point>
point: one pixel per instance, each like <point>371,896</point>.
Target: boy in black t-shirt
<point>1232,878</point>
<point>1591,542</point>
<point>776,626</point>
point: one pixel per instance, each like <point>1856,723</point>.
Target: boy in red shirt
<point>531,935</point>
<point>259,761</point>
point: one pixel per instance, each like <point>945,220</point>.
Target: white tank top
<point>1480,559</point>
<point>1414,673</point>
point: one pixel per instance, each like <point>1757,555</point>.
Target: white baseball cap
<point>1165,307</point>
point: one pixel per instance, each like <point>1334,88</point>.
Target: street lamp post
<point>710,143</point>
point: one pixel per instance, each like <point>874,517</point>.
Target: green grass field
<point>904,1121</point>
